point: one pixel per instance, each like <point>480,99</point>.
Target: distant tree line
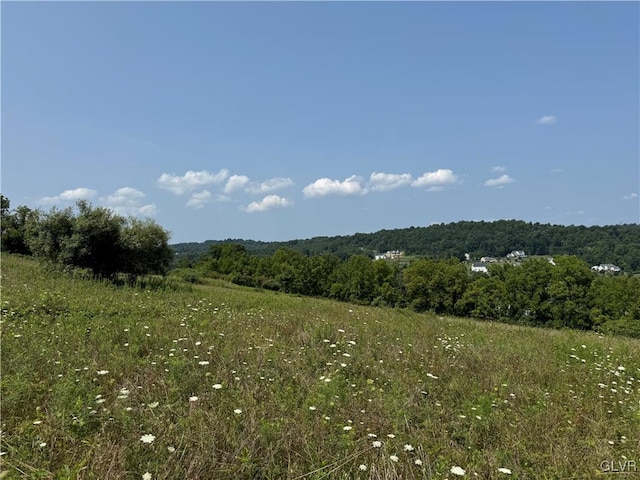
<point>86,237</point>
<point>617,244</point>
<point>565,295</point>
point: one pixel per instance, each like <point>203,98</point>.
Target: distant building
<point>489,260</point>
<point>389,254</point>
<point>479,267</point>
<point>517,255</point>
<point>606,268</point>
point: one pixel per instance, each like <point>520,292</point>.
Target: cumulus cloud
<point>199,199</point>
<point>326,186</point>
<point>128,201</point>
<point>631,196</point>
<point>547,120</point>
<point>499,169</point>
<point>80,193</point>
<point>268,203</point>
<point>499,182</point>
<point>270,185</point>
<point>436,180</point>
<point>381,182</point>
<point>235,183</point>
<point>191,180</point>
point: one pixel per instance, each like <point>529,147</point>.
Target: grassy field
<point>218,381</point>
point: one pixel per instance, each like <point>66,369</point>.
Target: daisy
<point>147,438</point>
<point>458,471</point>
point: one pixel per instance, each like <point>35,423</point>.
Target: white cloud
<point>235,183</point>
<point>267,203</point>
<point>80,193</point>
<point>547,120</point>
<point>128,201</point>
<point>326,186</point>
<point>499,182</point>
<point>199,199</point>
<point>436,180</point>
<point>381,182</point>
<point>631,196</point>
<point>499,169</point>
<point>191,180</point>
<point>270,185</point>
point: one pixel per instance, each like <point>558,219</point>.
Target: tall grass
<point>229,382</point>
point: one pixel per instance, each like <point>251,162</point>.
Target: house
<point>389,254</point>
<point>489,260</point>
<point>479,267</point>
<point>517,255</point>
<point>607,268</point>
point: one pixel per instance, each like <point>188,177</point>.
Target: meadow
<point>220,381</point>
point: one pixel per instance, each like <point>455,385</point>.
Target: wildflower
<point>171,449</point>
<point>42,445</point>
<point>153,405</point>
<point>505,470</point>
<point>37,422</point>
<point>346,428</point>
<point>102,372</point>
<point>124,391</point>
<point>193,399</point>
<point>377,444</point>
<point>391,435</point>
<point>394,458</point>
<point>418,462</point>
<point>312,408</point>
<point>431,375</point>
<point>237,411</point>
<point>147,438</point>
<point>146,476</point>
<point>217,386</point>
<point>203,362</point>
<point>362,467</point>
<point>408,448</point>
<point>457,471</point>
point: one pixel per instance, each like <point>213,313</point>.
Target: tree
<point>14,227</point>
<point>99,240</point>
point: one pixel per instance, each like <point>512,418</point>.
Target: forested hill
<point>617,244</point>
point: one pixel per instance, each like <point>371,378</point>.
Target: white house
<point>606,268</point>
<point>479,267</point>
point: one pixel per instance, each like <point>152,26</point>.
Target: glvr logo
<point>619,466</point>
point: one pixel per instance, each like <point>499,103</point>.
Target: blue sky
<point>276,121</point>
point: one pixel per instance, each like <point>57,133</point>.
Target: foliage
<point>562,294</point>
<point>218,381</point>
<point>97,239</point>
<point>13,227</point>
<point>618,244</point>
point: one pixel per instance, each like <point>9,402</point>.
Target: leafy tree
<point>99,240</point>
<point>14,227</point>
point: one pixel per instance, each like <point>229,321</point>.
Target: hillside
<point>617,244</point>
<point>219,381</point>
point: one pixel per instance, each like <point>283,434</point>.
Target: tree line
<point>617,244</point>
<point>562,294</point>
<point>86,237</point>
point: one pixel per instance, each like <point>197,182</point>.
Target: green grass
<point>545,404</point>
